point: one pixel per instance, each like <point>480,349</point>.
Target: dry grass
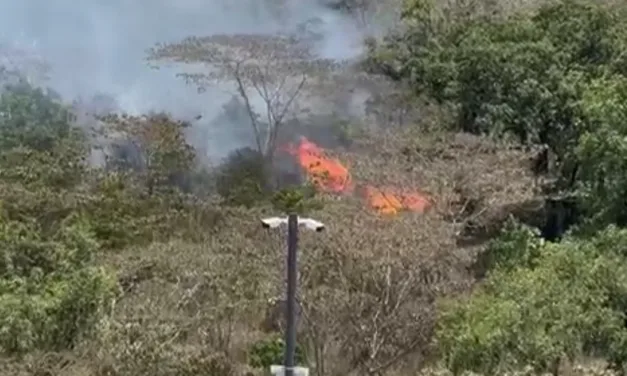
<point>474,183</point>
<point>368,284</point>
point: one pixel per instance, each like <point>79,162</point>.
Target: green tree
<point>518,245</point>
<point>51,292</point>
<point>242,178</point>
<point>43,158</point>
<point>602,152</point>
<point>33,118</point>
<point>51,295</point>
<point>153,146</point>
<point>144,192</point>
<point>521,76</point>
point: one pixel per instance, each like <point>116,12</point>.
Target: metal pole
<point>292,272</point>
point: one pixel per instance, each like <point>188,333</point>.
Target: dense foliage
<point>553,78</point>
<point>547,302</point>
<point>57,212</point>
<point>375,296</point>
<point>52,293</point>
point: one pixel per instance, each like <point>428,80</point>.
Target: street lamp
<point>292,221</point>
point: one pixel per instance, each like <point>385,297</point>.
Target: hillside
<point>474,210</point>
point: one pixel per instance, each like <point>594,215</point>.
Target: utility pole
<point>292,280</point>
<point>293,222</point>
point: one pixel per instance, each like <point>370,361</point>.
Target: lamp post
<point>293,221</point>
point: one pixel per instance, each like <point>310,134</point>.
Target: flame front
<point>330,175</point>
<point>390,200</point>
<point>326,174</point>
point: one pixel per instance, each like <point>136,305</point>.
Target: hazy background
<point>98,47</point>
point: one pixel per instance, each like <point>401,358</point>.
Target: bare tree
<point>379,315</point>
<point>275,67</point>
<point>368,296</point>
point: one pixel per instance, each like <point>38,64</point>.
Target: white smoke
<point>95,46</point>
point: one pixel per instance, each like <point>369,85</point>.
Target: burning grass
<point>464,180</point>
<point>330,175</point>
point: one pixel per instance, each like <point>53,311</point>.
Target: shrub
<point>570,302</point>
<point>242,179</point>
<point>32,118</point>
<point>50,294</point>
<point>271,351</point>
<point>601,151</point>
<point>518,245</point>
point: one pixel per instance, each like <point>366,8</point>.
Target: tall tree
<point>274,67</point>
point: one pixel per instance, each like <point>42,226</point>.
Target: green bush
<point>31,117</point>
<point>50,294</point>
<point>243,178</point>
<point>570,302</point>
<point>601,152</point>
<point>518,245</point>
<point>271,351</point>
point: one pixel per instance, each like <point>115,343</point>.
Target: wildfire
<point>330,175</point>
<point>326,174</point>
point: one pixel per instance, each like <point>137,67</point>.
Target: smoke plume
<point>98,48</point>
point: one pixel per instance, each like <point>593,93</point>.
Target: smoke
<point>98,47</point>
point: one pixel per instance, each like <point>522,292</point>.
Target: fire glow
<point>331,176</point>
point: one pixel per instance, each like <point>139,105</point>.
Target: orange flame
<point>391,201</point>
<point>330,175</point>
<point>326,174</point>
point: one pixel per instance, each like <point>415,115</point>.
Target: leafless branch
<point>276,67</point>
